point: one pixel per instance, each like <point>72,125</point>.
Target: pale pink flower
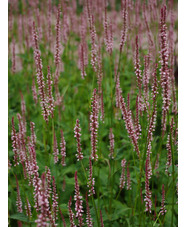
<point>94,125</point>
<point>77,133</point>
<point>18,201</point>
<point>78,203</point>
<point>63,149</point>
<point>71,214</point>
<point>54,200</point>
<point>91,180</point>
<point>125,24</point>
<point>88,216</point>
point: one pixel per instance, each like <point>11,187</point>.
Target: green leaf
<point>20,217</point>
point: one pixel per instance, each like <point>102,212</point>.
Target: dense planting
<point>93,126</point>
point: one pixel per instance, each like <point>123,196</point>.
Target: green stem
<point>84,170</point>
<point>95,211</point>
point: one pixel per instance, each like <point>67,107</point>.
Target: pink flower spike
<point>88,217</point>
<point>165,72</point>
<point>28,208</point>
<point>63,149</point>
<point>111,138</point>
<point>50,99</point>
<point>91,181</point>
<point>79,202</point>
<point>57,47</point>
<point>71,214</point>
<point>14,143</point>
<point>169,155</point>
<point>94,125</point>
<point>148,204</point>
<point>137,68</point>
<point>77,133</point>
<point>18,201</point>
<point>125,26</point>
<point>129,124</point>
<point>33,135</point>
<point>128,179</point>
<point>54,199</point>
<point>122,178</point>
<point>163,210</point>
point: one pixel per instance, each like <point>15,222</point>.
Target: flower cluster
<point>164,71</point>
<point>125,26</point>
<point>91,180</point>
<point>122,178</point>
<point>71,214</point>
<point>77,133</point>
<point>79,202</point>
<point>148,173</point>
<point>14,143</point>
<point>63,149</point>
<point>50,99</point>
<point>40,77</point>
<point>88,216</point>
<point>169,155</point>
<point>54,199</point>
<point>128,179</point>
<point>94,124</point>
<point>108,34</point>
<point>137,67</point>
<point>111,138</point>
<point>129,124</point>
<point>18,201</point>
<point>163,210</point>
